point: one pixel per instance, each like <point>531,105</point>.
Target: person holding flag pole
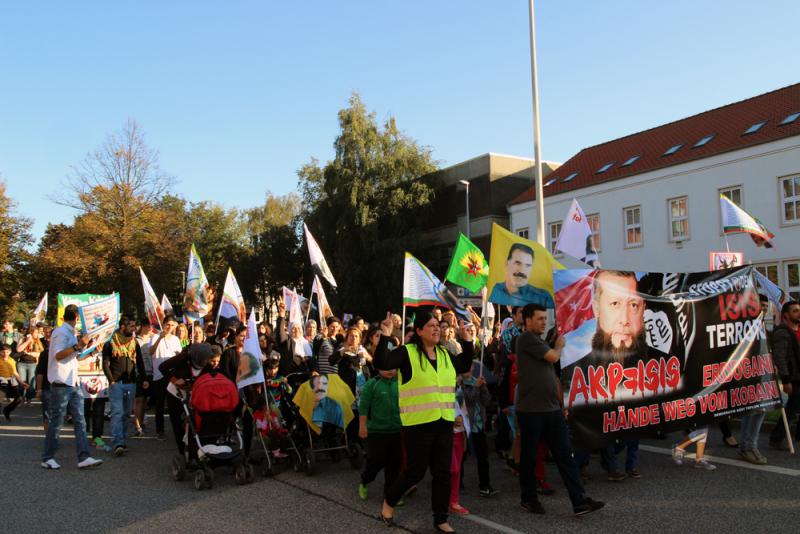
<point>426,385</point>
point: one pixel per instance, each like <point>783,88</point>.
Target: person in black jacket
<point>181,371</point>
<point>786,355</point>
<point>122,361</point>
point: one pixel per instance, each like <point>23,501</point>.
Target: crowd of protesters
<point>432,395</point>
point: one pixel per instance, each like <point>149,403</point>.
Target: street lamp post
<point>465,183</point>
<point>537,148</point>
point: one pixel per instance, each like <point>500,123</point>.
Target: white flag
<point>40,311</point>
<point>195,299</point>
<point>322,301</point>
<point>295,312</point>
<point>152,307</point>
<point>250,370</point>
<point>318,263</point>
<point>166,305</point>
<point>576,236</point>
<point>735,220</point>
<point>231,307</point>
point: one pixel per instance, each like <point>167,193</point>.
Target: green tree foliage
<point>15,236</point>
<point>367,206</point>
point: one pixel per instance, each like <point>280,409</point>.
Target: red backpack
<point>214,392</point>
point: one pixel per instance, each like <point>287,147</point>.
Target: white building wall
<point>756,169</point>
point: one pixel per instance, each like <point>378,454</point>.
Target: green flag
<point>468,268</point>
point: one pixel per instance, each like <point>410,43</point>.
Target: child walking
<point>460,433</point>
<point>379,423</point>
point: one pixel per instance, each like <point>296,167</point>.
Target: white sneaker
<point>704,465</point>
<point>89,462</point>
<point>51,464</point>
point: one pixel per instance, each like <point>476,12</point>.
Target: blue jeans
<point>63,399</point>
<point>27,372</point>
<point>552,428</point>
<point>121,396</point>
<point>751,425</point>
<point>631,456</point>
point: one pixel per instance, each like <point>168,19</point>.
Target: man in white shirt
<point>163,347</point>
<point>65,392</point>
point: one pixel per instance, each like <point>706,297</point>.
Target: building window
<point>678,219</point>
<point>770,271</point>
<point>522,232</point>
<point>604,168</point>
<point>594,225</point>
<point>671,150</point>
<point>793,279</point>
<point>555,230</point>
<point>734,194</point>
<point>754,128</point>
<point>790,199</point>
<point>633,226</point>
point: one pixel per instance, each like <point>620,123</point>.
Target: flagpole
<point>786,427</point>
<point>403,332</point>
<point>537,149</point>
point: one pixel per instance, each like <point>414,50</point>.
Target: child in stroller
<point>209,400</point>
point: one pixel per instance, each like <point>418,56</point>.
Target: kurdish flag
<point>736,220</point>
<point>468,268</point>
<point>422,288</point>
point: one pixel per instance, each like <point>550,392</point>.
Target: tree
<point>367,206</point>
<point>15,235</point>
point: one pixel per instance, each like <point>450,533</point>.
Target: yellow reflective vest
<point>430,395</point>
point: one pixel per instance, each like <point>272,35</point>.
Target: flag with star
<point>468,268</point>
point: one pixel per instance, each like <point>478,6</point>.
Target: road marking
<point>728,461</point>
<point>488,523</point>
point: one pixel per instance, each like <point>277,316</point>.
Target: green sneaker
<point>363,492</point>
<point>102,445</point>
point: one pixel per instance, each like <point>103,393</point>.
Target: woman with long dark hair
<point>426,384</point>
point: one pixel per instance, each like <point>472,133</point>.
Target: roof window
<point>754,128</point>
<point>550,182</point>
<point>570,177</point>
<point>604,168</point>
<point>704,141</point>
<point>671,150</point>
<point>631,160</point>
<point>790,119</point>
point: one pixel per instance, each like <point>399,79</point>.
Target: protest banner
<point>725,260</point>
<point>63,300</point>
<point>99,321</point>
<point>520,270</point>
<point>660,351</point>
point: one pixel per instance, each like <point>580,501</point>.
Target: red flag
<point>574,304</point>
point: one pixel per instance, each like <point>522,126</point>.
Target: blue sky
<point>238,95</point>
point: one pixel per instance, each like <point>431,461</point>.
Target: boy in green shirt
<point>379,424</point>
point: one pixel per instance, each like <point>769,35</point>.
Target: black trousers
<point>160,394</point>
<point>175,410</point>
<point>429,445</point>
<point>481,449</point>
<point>552,428</point>
<point>94,413</point>
<point>502,440</point>
<point>384,451</point>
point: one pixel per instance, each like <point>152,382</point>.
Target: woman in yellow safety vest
<point>427,386</point>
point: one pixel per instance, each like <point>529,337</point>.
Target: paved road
<point>136,494</point>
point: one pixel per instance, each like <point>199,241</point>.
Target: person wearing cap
<point>180,371</point>
<point>122,362</point>
<point>65,392</point>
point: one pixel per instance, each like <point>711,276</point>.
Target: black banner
<point>660,351</point>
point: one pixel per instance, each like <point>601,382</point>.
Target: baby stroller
<point>273,429</point>
<point>323,405</point>
<point>212,437</point>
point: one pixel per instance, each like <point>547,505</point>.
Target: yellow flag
<point>520,270</point>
